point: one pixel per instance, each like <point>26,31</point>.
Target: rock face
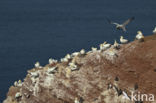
<point>108,76</point>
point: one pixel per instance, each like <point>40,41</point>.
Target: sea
<point>36,30</point>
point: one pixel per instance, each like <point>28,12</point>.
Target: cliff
<point>96,77</point>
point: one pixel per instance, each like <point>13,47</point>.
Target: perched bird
<point>94,49</point>
<point>82,51</point>
<point>116,45</point>
<point>18,95</point>
<point>106,45</point>
<point>76,100</point>
<point>37,65</point>
<point>121,26</point>
<point>75,54</point>
<point>154,31</point>
<point>68,56</point>
<point>140,36</point>
<point>122,40</point>
<point>51,61</point>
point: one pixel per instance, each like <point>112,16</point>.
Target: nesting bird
<point>15,83</point>
<point>105,46</point>
<point>37,65</point>
<point>82,52</point>
<point>51,61</point>
<point>140,36</point>
<point>154,31</point>
<point>76,100</point>
<point>34,74</point>
<point>18,95</point>
<point>64,60</point>
<point>75,54</point>
<point>116,45</point>
<point>94,49</point>
<point>68,56</point>
<point>73,66</point>
<point>122,40</point>
<point>52,70</point>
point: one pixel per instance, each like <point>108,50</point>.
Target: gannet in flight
<point>121,26</point>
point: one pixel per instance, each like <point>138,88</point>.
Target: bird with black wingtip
<point>121,26</point>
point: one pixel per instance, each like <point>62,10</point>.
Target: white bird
<point>82,51</point>
<point>64,60</point>
<point>116,45</point>
<point>51,61</point>
<point>76,100</point>
<point>37,65</point>
<point>122,40</point>
<point>73,66</point>
<point>105,45</point>
<point>52,70</point>
<point>34,74</point>
<point>154,31</point>
<point>68,56</point>
<point>94,49</point>
<point>18,95</point>
<point>15,84</point>
<point>139,36</point>
<point>75,54</point>
<point>121,26</point>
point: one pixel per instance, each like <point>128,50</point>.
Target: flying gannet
<point>122,40</point>
<point>121,26</point>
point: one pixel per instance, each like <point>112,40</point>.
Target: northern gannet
<point>116,45</point>
<point>154,31</point>
<point>15,84</point>
<point>94,49</point>
<point>140,36</point>
<point>68,56</point>
<point>121,26</point>
<point>122,40</point>
<point>37,65</point>
<point>52,70</point>
<point>18,95</point>
<point>82,51</point>
<point>52,61</point>
<point>105,46</point>
<point>76,100</point>
<point>75,54</point>
<point>64,60</point>
<point>73,66</point>
<point>34,74</point>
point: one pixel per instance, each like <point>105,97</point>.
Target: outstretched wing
<point>128,21</point>
<point>111,22</point>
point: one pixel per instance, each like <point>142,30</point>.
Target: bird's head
<point>121,37</point>
<point>105,42</point>
<point>139,32</point>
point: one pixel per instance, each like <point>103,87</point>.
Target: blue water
<point>35,30</point>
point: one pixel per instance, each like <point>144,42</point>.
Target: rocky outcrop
<point>99,76</point>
